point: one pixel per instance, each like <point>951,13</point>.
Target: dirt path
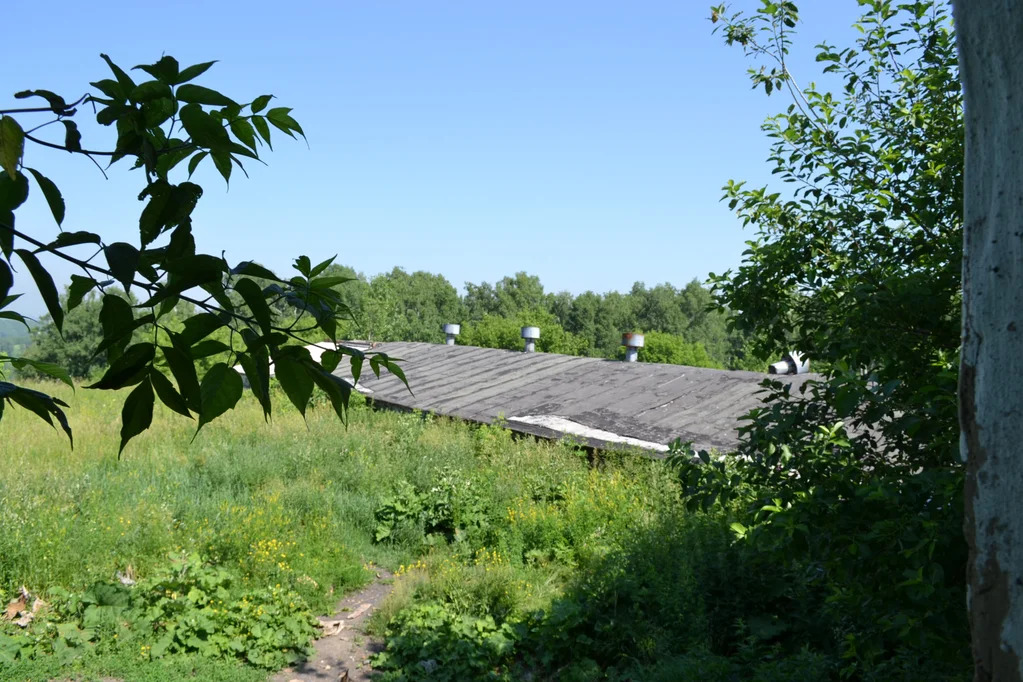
<point>342,653</point>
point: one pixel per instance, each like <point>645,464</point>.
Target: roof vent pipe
<point>632,342</point>
<point>793,362</point>
<point>530,334</point>
<point>452,331</point>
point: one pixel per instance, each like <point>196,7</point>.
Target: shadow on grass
<point>668,605</point>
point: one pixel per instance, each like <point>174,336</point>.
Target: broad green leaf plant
<point>167,125</point>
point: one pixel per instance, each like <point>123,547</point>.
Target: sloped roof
<point>601,402</point>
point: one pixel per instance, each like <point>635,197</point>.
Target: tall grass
<point>567,557</point>
<point>289,500</point>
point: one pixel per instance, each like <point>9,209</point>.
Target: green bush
<point>671,349</point>
<point>188,607</point>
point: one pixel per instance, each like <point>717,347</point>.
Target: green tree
<point>14,337</point>
<point>671,349</point>
<point>162,122</point>
<point>658,308</point>
<point>494,331</point>
<point>856,262</point>
<point>507,298</point>
<point>74,348</point>
<point>411,307</point>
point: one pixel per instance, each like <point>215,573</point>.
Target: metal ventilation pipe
<point>452,331</point>
<point>632,342</point>
<point>792,363</point>
<point>530,334</point>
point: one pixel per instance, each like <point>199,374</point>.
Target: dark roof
<point>537,392</point>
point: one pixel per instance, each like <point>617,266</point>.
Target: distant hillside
<point>14,338</point>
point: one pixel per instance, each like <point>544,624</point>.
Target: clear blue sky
<point>583,142</point>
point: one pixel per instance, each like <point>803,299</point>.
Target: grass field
<point>514,559</point>
<point>275,521</point>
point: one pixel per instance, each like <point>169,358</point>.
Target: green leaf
<point>222,160</point>
<point>48,368</point>
<point>7,217</point>
<point>293,376</point>
<point>72,137</point>
<point>118,323</point>
<point>303,265</point>
<point>123,79</point>
<point>393,368</point>
<point>111,89</point>
<point>13,191</point>
<point>12,145</point>
<point>230,112</point>
<point>169,206</point>
<point>129,369</point>
<point>186,272</point>
<point>320,267</point>
<point>39,403</point>
<point>356,364</point>
<point>252,294</point>
<point>193,71</point>
<point>242,129</point>
<point>328,282</point>
<point>165,70</point>
<point>65,239</point>
<point>157,111</point>
<point>169,396</point>
<point>52,194</point>
<point>198,327</point>
<point>257,371</point>
<point>183,369</point>
<point>137,413</point>
<point>111,114</point>
<point>260,103</point>
<point>16,317</point>
<point>337,389</point>
<point>259,123</point>
<point>194,162</point>
<point>45,285</point>
<point>205,349</point>
<point>204,130</point>
<point>197,94</point>
<point>329,360</point>
<point>80,286</point>
<point>56,102</point>
<point>149,91</point>
<point>6,279</point>
<point>254,270</point>
<point>279,117</point>
<point>123,260</point>
<point>220,390</point>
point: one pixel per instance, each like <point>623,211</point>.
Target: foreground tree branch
<point>164,263</point>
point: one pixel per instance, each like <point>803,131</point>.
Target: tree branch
<point>151,287</point>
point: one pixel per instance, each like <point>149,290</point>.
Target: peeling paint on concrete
<point>572,428</point>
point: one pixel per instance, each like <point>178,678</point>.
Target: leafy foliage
<point>847,495</point>
<point>188,607</point>
<point>160,124</point>
<point>672,350</point>
<point>857,263</point>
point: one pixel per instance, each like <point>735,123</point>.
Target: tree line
<point>681,325</point>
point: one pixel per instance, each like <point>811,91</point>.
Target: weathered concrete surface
<point>602,402</point>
